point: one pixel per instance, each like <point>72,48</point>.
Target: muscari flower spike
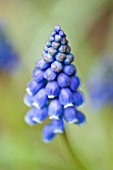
<point>53,90</point>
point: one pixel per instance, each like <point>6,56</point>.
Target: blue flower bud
<point>41,64</point>
<point>69,59</point>
<point>33,87</point>
<point>45,48</point>
<point>47,133</point>
<point>40,99</point>
<point>70,114</point>
<point>69,69</point>
<point>51,38</point>
<point>55,109</point>
<point>66,97</point>
<point>28,100</point>
<point>57,28</point>
<point>75,82</point>
<point>57,66</point>
<point>57,38</point>
<point>48,44</point>
<point>68,49</point>
<point>64,41</point>
<point>52,89</point>
<point>29,115</point>
<point>40,114</point>
<point>63,80</point>
<point>50,74</point>
<point>55,45</point>
<point>53,33</point>
<point>38,75</point>
<point>52,51</point>
<point>58,125</point>
<point>80,118</point>
<point>44,53</point>
<point>60,56</point>
<point>61,33</point>
<point>48,58</point>
<point>63,48</point>
<point>78,98</point>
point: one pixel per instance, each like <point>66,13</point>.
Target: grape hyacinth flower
<point>53,90</point>
<point>100,82</point>
<point>8,57</point>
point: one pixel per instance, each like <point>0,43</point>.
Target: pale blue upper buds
<point>48,58</point>
<point>55,45</point>
<point>69,59</point>
<point>50,74</point>
<point>57,28</point>
<point>41,64</point>
<point>52,51</point>
<point>56,66</point>
<point>60,56</point>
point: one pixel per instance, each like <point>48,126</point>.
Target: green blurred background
<point>89,29</point>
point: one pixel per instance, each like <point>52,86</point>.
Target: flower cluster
<point>8,57</point>
<point>52,91</point>
<point>100,85</point>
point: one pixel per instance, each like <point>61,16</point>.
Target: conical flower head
<point>54,86</point>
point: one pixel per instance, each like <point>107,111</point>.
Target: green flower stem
<point>75,158</point>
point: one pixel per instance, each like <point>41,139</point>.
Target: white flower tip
<point>73,121</point>
<point>28,91</point>
<point>58,131</point>
<point>68,105</point>
<point>36,105</point>
<point>27,121</point>
<point>36,120</point>
<point>51,96</point>
<point>26,102</point>
<point>46,140</point>
<point>54,117</point>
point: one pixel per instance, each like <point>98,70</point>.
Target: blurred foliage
<point>28,24</point>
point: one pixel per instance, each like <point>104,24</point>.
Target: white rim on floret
<point>51,96</point>
<point>58,131</point>
<point>26,102</point>
<point>29,91</point>
<point>54,117</point>
<point>68,105</point>
<point>73,121</point>
<point>36,120</point>
<point>36,105</point>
